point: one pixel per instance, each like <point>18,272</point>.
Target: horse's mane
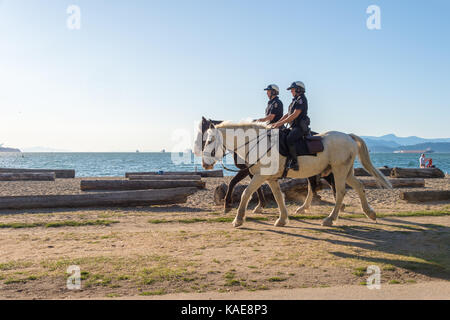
<point>242,125</point>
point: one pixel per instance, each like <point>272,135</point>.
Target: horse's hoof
<point>327,222</point>
<point>372,215</point>
<point>300,210</point>
<point>258,209</point>
<point>281,223</point>
<point>237,223</point>
<point>227,209</point>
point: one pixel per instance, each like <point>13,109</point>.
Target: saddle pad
<point>314,144</point>
<point>309,146</point>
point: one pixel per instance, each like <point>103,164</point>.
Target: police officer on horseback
<point>298,118</point>
<point>274,110</point>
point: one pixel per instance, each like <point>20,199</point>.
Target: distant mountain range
<point>32,149</point>
<point>2,149</point>
<point>392,143</point>
<point>43,149</point>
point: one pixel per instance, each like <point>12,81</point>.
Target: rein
<point>246,156</point>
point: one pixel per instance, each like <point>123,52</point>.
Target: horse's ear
<point>211,125</point>
<point>203,118</point>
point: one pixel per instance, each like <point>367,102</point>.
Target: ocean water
<point>116,164</point>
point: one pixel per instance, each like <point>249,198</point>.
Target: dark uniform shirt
<point>275,106</point>
<point>299,103</point>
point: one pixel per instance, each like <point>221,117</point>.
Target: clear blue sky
<point>138,69</point>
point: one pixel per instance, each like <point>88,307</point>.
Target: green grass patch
<point>394,282</point>
<point>153,293</point>
<point>389,268</point>
<point>360,271</point>
<point>11,265</point>
<point>57,224</point>
<point>207,220</point>
<point>156,221</point>
<point>14,281</point>
<point>423,213</point>
<point>232,282</point>
<point>276,279</point>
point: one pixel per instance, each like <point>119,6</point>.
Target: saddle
<point>309,145</point>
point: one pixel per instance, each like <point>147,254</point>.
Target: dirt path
<point>158,251</point>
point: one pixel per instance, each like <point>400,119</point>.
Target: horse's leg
<point>279,198</point>
<point>330,179</point>
<point>256,182</point>
<point>229,195</point>
<point>261,199</point>
<point>359,188</point>
<point>340,176</point>
<point>308,200</point>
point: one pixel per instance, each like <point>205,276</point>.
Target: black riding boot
<point>292,163</point>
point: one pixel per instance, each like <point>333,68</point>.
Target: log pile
<point>203,174</point>
<point>17,176</point>
<point>161,177</point>
<point>428,173</point>
<point>425,196</point>
<point>121,185</point>
<point>59,173</point>
<point>296,189</point>
<point>106,199</point>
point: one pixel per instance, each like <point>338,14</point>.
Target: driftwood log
<point>121,185</point>
<point>161,177</point>
<point>425,196</point>
<point>296,189</point>
<point>17,176</point>
<point>105,199</point>
<point>204,174</point>
<point>427,173</point>
<point>59,173</point>
<point>361,172</point>
<point>396,183</point>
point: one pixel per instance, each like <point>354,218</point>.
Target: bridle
<point>225,152</point>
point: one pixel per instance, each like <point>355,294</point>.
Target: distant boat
<point>414,151</point>
<point>137,151</point>
<point>163,150</point>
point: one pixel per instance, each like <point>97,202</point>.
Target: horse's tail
<point>364,158</point>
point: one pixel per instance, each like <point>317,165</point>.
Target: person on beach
<point>274,110</point>
<point>298,118</point>
<point>423,161</point>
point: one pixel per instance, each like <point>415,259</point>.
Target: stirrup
<point>293,165</point>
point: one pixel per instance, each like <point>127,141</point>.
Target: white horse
<point>340,151</point>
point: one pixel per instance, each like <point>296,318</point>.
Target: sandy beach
<point>192,248</point>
